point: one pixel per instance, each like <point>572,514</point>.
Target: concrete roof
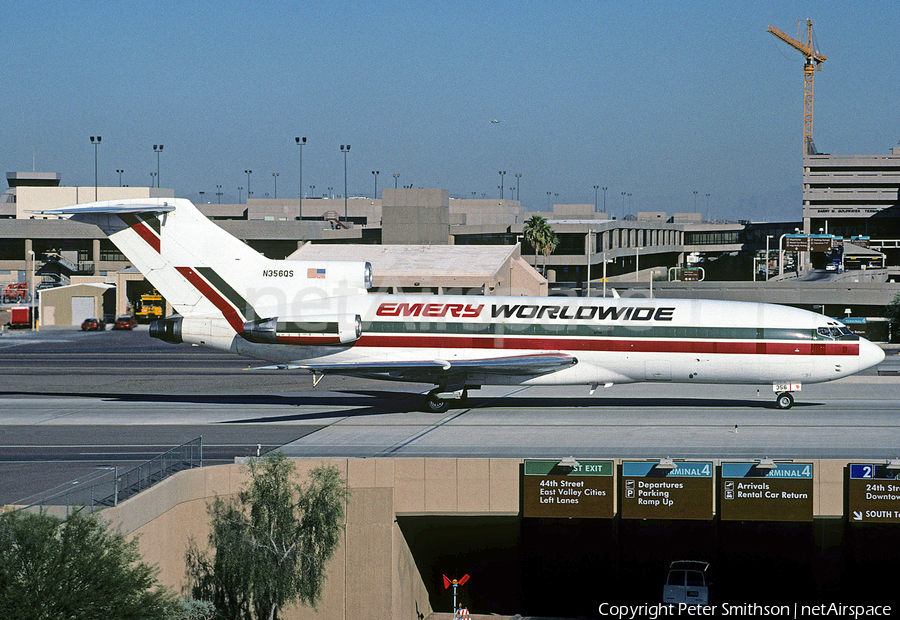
<point>416,260</point>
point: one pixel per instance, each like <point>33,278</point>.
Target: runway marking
<point>435,427</point>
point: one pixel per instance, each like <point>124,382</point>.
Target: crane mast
<point>813,63</point>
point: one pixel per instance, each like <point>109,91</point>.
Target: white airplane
<point>318,316</point>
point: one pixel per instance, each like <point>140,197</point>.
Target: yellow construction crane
<point>813,62</point>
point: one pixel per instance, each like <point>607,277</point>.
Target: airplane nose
<point>870,354</point>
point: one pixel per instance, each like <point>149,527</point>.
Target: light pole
<point>590,249</point>
<point>300,142</point>
<point>33,292</point>
<point>96,144</point>
<point>548,199</point>
<point>331,192</point>
<point>312,190</point>
<point>249,193</point>
<point>695,201</point>
<point>604,200</point>
<point>707,206</point>
<point>345,149</point>
<point>518,176</point>
<point>596,187</point>
<point>375,173</point>
<point>767,256</point>
<point>624,213</point>
<point>275,178</point>
<point>396,176</point>
<point>157,148</point>
<point>201,197</point>
<point>240,195</point>
<point>502,174</point>
<point>219,194</point>
<point>152,176</point>
<point>120,176</point>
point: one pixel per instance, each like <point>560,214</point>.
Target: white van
<point>688,582</point>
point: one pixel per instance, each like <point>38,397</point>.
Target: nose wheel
<point>785,400</point>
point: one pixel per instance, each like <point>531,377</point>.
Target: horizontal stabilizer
<point>112,207</point>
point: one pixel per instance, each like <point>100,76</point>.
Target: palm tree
<point>550,243</point>
<point>541,237</point>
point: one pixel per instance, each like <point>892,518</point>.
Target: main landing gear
<point>784,400</point>
<point>439,399</point>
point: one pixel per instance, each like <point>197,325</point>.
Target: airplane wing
<point>428,370</point>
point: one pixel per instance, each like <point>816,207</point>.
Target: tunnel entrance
<point>568,567</point>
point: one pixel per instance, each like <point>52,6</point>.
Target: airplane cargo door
<point>82,308</point>
<point>658,371</point>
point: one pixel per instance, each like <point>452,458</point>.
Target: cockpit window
<point>836,333</point>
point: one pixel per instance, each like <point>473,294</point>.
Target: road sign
<point>796,243</point>
<point>874,493</point>
<point>557,491</point>
<point>684,491</point>
<point>752,493</point>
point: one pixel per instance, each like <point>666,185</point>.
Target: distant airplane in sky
<point>496,121</point>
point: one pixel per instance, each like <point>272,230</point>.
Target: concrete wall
<point>373,574</point>
<point>415,217</point>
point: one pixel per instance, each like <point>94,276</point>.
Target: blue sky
<point>657,99</point>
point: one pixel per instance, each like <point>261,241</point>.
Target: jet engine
<point>311,330</point>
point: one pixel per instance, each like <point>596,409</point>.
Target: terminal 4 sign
<point>780,493</point>
<point>652,491</point>
<point>874,493</point>
<point>552,490</point>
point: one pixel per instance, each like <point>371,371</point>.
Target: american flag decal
<point>315,273</point>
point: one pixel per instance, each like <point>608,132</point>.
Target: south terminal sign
<point>780,493</point>
<point>874,493</point>
<point>552,490</point>
<point>652,491</point>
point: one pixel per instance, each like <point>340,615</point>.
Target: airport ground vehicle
<point>19,317</point>
<point>15,293</point>
<point>150,307</point>
<point>688,582</point>
<point>93,324</point>
<point>318,317</point>
<point>124,322</point>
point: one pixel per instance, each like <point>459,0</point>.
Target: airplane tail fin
<point>201,269</point>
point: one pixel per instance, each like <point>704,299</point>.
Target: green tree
<point>541,236</point>
<point>75,568</point>
<point>269,546</point>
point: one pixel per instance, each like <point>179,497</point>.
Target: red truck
<point>15,293</point>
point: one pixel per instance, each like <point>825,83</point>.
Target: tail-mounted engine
<point>168,329</point>
<point>314,330</point>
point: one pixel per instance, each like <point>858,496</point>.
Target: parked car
<point>124,322</point>
<point>93,325</point>
<point>688,581</point>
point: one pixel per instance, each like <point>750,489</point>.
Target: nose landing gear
<point>784,400</point>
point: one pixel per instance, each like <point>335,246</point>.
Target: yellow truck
<point>151,306</point>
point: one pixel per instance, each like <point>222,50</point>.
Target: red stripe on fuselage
<point>148,235</point>
<point>231,315</point>
<point>600,344</point>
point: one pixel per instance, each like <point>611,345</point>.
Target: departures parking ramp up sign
<point>874,493</point>
<point>652,491</point>
<point>783,492</point>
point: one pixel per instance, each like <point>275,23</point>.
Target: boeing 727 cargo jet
<point>319,317</point>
